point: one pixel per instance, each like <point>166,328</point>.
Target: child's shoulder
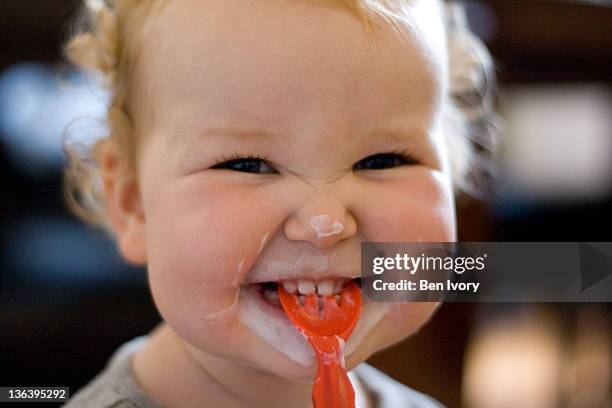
<point>385,392</point>
<point>115,386</point>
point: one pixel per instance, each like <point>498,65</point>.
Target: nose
<point>323,223</point>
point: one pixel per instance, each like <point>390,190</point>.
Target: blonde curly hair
<point>106,41</point>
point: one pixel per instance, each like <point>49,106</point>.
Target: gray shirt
<point>116,386</point>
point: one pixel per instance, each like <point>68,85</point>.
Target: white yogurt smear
<point>320,223</point>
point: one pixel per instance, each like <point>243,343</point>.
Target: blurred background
<point>67,300</point>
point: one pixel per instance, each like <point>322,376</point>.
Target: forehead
<point>273,62</point>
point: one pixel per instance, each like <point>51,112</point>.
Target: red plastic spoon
<point>327,334</point>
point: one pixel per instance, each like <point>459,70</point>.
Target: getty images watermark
<point>487,271</point>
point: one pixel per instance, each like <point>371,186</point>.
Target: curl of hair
<point>104,43</point>
<point>472,126</point>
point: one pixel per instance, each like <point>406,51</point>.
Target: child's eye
<point>384,160</point>
<point>244,163</point>
<point>254,164</point>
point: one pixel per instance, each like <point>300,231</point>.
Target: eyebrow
<point>240,133</point>
<point>245,133</point>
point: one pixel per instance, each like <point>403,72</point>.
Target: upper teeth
<point>324,287</point>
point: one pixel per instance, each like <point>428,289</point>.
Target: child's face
<point>306,76</point>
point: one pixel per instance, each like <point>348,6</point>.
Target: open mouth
<point>261,312</point>
<point>303,287</point>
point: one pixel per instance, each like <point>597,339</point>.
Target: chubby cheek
<point>202,239</point>
<point>416,209</point>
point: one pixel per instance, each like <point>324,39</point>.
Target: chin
<point>272,361</point>
<point>297,373</point>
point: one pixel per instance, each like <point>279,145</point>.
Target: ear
<point>124,205</point>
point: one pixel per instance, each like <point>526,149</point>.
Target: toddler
<point>257,143</point>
